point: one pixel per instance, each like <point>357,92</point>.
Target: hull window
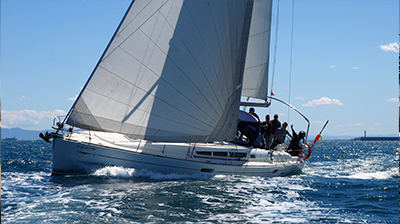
<point>203,153</point>
<point>221,154</point>
<point>239,155</point>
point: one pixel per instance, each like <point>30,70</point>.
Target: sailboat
<point>165,95</point>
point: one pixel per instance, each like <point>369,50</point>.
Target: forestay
<point>173,71</point>
<point>255,82</point>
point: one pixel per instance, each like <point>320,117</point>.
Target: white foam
<point>266,200</point>
<point>128,173</point>
<point>113,171</point>
<point>378,175</point>
<point>359,168</point>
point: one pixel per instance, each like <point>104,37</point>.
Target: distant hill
<point>20,134</point>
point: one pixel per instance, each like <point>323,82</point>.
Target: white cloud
<point>356,124</point>
<point>299,98</point>
<point>73,98</point>
<point>356,68</point>
<point>393,100</point>
<point>390,47</point>
<point>324,101</point>
<point>24,98</point>
<point>332,66</point>
<point>378,124</point>
<point>28,119</point>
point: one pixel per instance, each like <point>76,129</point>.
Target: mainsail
<point>255,82</point>
<point>173,71</point>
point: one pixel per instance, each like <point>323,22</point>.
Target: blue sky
<point>341,66</point>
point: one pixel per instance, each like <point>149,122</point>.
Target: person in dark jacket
<point>275,125</point>
<point>280,135</point>
<point>294,147</point>
<point>266,127</point>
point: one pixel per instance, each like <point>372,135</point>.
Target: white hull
<point>85,151</point>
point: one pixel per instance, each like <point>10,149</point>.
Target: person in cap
<point>251,111</point>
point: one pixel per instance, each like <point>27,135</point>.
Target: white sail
<point>255,82</point>
<point>172,72</point>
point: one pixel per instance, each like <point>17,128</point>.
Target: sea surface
<point>342,182</point>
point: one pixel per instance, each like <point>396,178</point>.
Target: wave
<point>128,173</point>
<point>380,168</point>
<point>378,175</point>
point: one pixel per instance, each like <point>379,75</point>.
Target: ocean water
<point>342,182</point>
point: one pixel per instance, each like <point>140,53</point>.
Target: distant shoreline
<point>375,139</point>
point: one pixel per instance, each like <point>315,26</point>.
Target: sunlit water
<point>342,182</point>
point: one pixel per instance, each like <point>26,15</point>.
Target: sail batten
<point>172,72</point>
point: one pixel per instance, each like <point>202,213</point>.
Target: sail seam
<point>201,37</point>
<point>197,63</point>
<point>257,34</point>
<point>123,28</point>
<point>127,81</point>
<point>209,56</point>
<point>184,124</point>
<point>257,65</point>
<point>234,97</point>
<point>219,46</point>
<point>138,28</point>
<point>160,77</point>
<point>230,61</point>
<point>87,127</point>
